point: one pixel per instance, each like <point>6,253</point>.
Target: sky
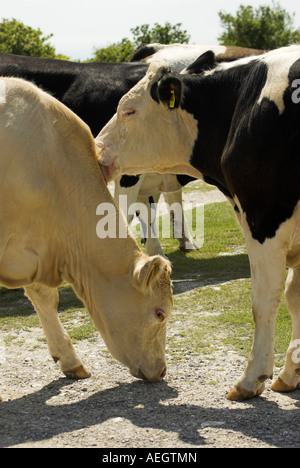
<point>81,26</point>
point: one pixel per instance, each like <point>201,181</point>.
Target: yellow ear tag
<point>172,99</point>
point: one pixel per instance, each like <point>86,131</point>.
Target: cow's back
<point>30,126</point>
<point>39,140</point>
<point>91,90</point>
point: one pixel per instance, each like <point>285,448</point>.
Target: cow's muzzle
<point>107,171</point>
<point>150,378</point>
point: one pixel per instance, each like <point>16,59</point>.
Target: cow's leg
<point>127,196</point>
<point>268,262</point>
<point>147,219</point>
<point>45,301</point>
<point>289,377</point>
<point>179,226</point>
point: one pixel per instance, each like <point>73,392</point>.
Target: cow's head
<point>134,315</point>
<point>150,132</point>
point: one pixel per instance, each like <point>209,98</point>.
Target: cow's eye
<point>128,111</point>
<point>160,315</point>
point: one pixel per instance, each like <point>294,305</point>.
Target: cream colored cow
<point>50,189</point>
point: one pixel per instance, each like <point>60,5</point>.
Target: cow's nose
<point>107,170</point>
<point>151,378</point>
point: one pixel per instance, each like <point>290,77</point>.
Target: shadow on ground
<point>190,272</point>
<point>32,418</point>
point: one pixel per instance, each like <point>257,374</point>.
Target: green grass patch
<point>17,312</point>
<point>212,291</point>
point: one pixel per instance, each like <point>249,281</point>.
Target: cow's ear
<point>169,91</point>
<point>148,270</point>
<point>205,62</point>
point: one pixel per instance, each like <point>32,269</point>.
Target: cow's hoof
<point>241,394</point>
<point>186,249</point>
<point>280,386</point>
<point>79,372</point>
<point>188,246</point>
<point>0,398</point>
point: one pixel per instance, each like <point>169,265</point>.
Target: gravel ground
<point>43,409</point>
<point>188,410</point>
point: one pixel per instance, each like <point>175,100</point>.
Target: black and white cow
<point>180,56</point>
<point>147,188</point>
<point>236,126</point>
<point>93,90</point>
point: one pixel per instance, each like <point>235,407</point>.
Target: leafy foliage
<point>16,38</point>
<point>117,52</point>
<point>266,27</point>
<point>144,34</point>
<point>166,34</point>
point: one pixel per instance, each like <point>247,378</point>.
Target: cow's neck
<point>92,262</point>
<point>213,108</point>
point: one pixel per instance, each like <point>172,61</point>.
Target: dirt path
<point>187,410</point>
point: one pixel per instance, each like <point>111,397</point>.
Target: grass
<point>16,312</point>
<point>216,308</point>
<point>212,296</point>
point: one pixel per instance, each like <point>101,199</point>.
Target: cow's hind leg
<point>147,218</point>
<point>289,377</point>
<point>45,301</point>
